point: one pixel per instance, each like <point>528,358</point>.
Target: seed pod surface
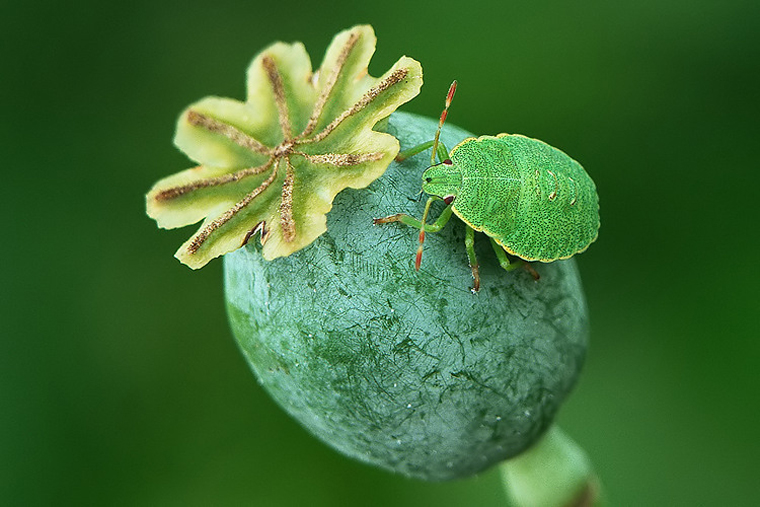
<point>407,370</point>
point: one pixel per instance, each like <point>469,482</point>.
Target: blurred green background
<point>120,383</point>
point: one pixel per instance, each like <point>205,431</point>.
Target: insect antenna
<point>418,260</point>
<point>449,98</point>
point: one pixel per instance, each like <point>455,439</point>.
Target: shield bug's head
<point>442,180</point>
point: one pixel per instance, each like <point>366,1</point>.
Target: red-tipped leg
<point>469,244</point>
<point>475,278</point>
<point>418,260</point>
<point>532,271</point>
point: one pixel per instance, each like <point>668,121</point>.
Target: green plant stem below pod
<point>555,472</point>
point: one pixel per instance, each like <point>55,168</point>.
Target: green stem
<point>555,472</point>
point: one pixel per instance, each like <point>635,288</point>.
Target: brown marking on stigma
<point>342,159</point>
<point>279,95</point>
<point>174,192</point>
<point>232,133</point>
<point>330,84</point>
<point>259,227</point>
<point>228,215</point>
<point>284,149</point>
<point>286,204</point>
<point>394,78</point>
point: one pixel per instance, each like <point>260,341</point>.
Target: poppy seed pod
<point>403,369</point>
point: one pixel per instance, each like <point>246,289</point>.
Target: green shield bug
<point>533,201</point>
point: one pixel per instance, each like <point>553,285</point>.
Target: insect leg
<point>502,256</point>
<point>414,150</point>
<point>510,266</point>
<point>532,271</point>
<point>442,151</point>
<point>469,244</point>
<point>417,224</point>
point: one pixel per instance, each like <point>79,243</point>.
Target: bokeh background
<point>120,383</point>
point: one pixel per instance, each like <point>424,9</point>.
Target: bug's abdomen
<point>537,202</point>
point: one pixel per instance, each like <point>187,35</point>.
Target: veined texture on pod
<point>407,370</point>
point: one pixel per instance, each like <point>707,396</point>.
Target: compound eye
<point>428,180</point>
<point>448,162</point>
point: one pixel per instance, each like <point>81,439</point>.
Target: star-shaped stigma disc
<point>271,166</point>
